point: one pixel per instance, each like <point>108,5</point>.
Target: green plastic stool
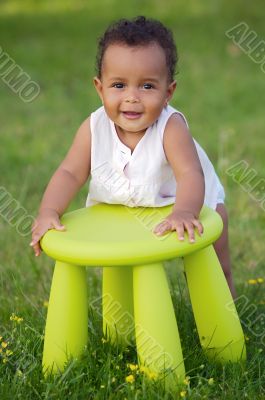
<point>135,298</point>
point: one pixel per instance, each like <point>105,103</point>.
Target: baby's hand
<point>180,221</point>
<point>47,219</point>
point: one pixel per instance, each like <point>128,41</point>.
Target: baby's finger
<point>162,227</point>
<point>158,226</point>
<point>199,226</point>
<point>190,229</point>
<point>180,230</point>
<point>34,226</point>
<point>37,249</point>
<point>58,226</point>
<point>34,241</point>
<point>36,236</point>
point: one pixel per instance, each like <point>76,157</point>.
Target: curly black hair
<point>136,32</point>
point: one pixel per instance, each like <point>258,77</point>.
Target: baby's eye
<point>147,86</point>
<point>118,85</point>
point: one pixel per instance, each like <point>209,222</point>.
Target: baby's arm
<point>69,177</point>
<point>181,154</point>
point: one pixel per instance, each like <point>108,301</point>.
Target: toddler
<point>136,148</point>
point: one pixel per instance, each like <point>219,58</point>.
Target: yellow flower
<point>9,352</point>
<point>186,380</point>
<point>183,393</point>
<point>152,375</point>
<point>4,344</point>
<point>1,337</point>
<point>132,367</point>
<point>19,372</point>
<point>252,282</point>
<point>211,381</point>
<point>260,280</point>
<point>103,340</point>
<point>4,360</point>
<point>15,318</point>
<point>143,369</point>
<point>130,379</point>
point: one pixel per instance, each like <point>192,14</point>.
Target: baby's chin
<point>135,131</point>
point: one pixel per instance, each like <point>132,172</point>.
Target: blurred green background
<point>220,90</point>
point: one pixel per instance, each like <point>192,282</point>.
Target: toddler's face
<point>134,85</point>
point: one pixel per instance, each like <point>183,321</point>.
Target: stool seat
<point>108,235</point>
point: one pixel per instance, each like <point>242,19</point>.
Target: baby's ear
<point>171,89</point>
<point>98,85</point>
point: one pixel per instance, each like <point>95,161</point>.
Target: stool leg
<point>67,320</point>
<point>156,330</point>
<point>117,302</point>
<point>215,314</point>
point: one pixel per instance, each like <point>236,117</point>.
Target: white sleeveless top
<point>143,178</point>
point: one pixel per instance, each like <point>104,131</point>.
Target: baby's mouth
<point>131,114</point>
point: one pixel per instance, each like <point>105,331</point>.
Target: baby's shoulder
<point>176,123</point>
<point>83,133</point>
<point>85,125</point>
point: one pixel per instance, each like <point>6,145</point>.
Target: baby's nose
<point>132,97</point>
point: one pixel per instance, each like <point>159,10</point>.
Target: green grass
<point>220,90</point>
